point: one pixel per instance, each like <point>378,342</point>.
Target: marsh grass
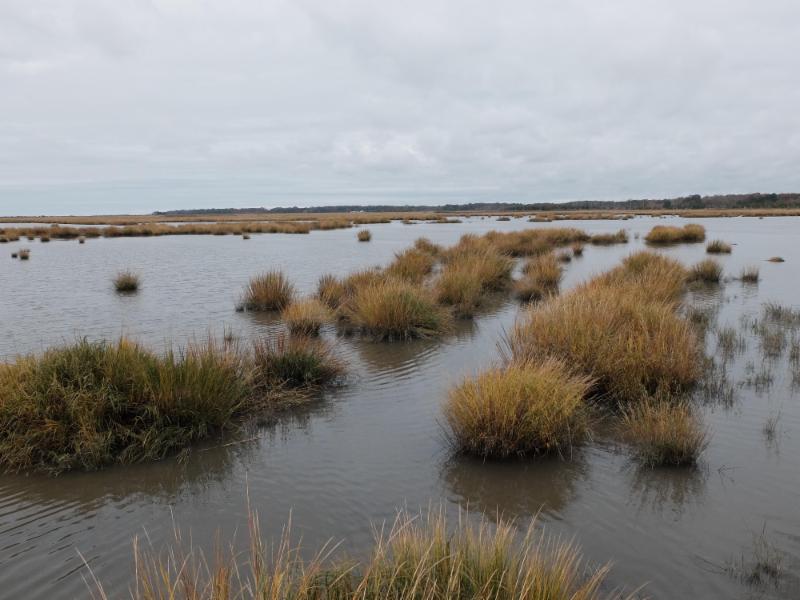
<point>541,277</point>
<point>521,410</point>
<point>24,254</point>
<point>749,274</point>
<point>269,291</point>
<point>294,362</point>
<point>564,256</point>
<point>411,264</point>
<point>764,565</point>
<point>425,245</point>
<point>668,234</point>
<point>607,239</point>
<point>306,317</point>
<point>417,557</point>
<point>730,342</point>
<point>718,247</point>
<point>331,291</point>
<point>461,287</point>
<point>664,432</point>
<point>705,271</point>
<point>88,405</point>
<point>577,249</point>
<point>126,281</point>
<point>364,235</point>
<point>395,309</point>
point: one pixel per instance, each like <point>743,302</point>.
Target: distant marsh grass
<point>364,235</point>
<point>126,281</point>
<point>706,271</point>
<point>269,291</point>
<point>608,239</point>
<point>24,254</point>
<point>521,410</point>
<point>718,247</point>
<point>668,234</point>
<point>749,274</point>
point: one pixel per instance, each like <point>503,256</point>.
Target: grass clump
<point>541,277</point>
<point>364,235</point>
<point>391,308</point>
<point>577,249</point>
<point>420,557</point>
<point>126,281</point>
<point>425,245</point>
<point>664,433</point>
<point>706,271</point>
<point>24,254</point>
<point>88,405</point>
<point>669,234</point>
<point>269,291</point>
<point>306,317</point>
<point>412,265</point>
<point>749,274</point>
<point>618,329</point>
<point>461,287</point>
<point>718,247</point>
<point>525,409</point>
<point>607,239</point>
<point>331,291</point>
<point>293,362</point>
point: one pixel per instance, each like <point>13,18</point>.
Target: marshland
<point>672,453</point>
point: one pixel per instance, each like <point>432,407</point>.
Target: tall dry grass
<point>306,317</point>
<point>271,290</point>
<point>669,234</point>
<point>126,281</point>
<point>524,409</point>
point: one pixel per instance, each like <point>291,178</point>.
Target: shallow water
<point>354,457</point>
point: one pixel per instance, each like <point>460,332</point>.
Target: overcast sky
<point>134,105</point>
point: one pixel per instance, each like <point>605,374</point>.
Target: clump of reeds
<point>664,433</point>
<point>24,254</point>
<point>331,291</point>
<point>461,287</point>
<point>749,274</point>
<point>269,291</point>
<point>364,235</point>
<point>392,308</point>
<point>706,271</point>
<point>530,242</point>
<point>87,405</point>
<point>306,317</point>
<point>776,259</point>
<point>411,265</point>
<point>616,328</point>
<point>541,276</point>
<point>418,557</point>
<point>606,239</point>
<point>669,234</point>
<point>294,362</point>
<point>425,245</point>
<point>577,249</point>
<point>126,281</point>
<point>718,247</point>
<point>524,409</point>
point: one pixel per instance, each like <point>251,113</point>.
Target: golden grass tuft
<point>461,287</point>
<point>418,557</point>
<point>411,264</point>
<point>749,274</point>
<point>425,245</point>
<point>577,249</point>
<point>524,409</point>
<point>652,276</point>
<point>391,308</point>
<point>306,317</point>
<point>669,234</point>
<point>24,254</point>
<point>541,276</point>
<point>126,281</point>
<point>607,239</point>
<point>331,291</point>
<point>364,235</point>
<point>293,362</point>
<point>718,247</point>
<point>664,433</point>
<point>706,271</point>
<point>271,290</point>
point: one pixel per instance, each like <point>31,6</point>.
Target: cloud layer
<point>136,105</point>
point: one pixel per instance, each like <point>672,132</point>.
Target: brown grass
<point>364,235</point>
<point>306,317</point>
<point>24,254</point>
<point>607,239</point>
<point>269,291</point>
<point>293,362</point>
<point>126,281</point>
<point>749,274</point>
<point>525,409</point>
<point>668,234</point>
<point>718,247</point>
<point>577,249</point>
<point>411,264</point>
<point>706,271</point>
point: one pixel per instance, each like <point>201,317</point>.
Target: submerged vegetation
<point>92,404</point>
<point>419,557</point>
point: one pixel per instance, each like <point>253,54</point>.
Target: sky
<point>124,106</point>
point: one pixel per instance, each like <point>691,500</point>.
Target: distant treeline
<point>696,201</point>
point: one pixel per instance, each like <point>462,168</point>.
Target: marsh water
<point>351,459</point>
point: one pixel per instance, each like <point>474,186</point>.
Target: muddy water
<point>362,451</point>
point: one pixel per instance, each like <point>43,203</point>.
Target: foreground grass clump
<point>669,234</point>
<point>306,317</point>
<point>391,308</point>
<point>419,557</point>
<point>269,291</point>
<point>617,330</point>
<point>461,287</point>
<point>664,433</point>
<point>293,362</point>
<point>88,405</point>
<point>541,276</point>
<point>525,409</point>
<point>718,247</point>
<point>364,235</point>
<point>706,271</point>
<point>126,281</point>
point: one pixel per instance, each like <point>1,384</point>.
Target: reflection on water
<point>354,455</point>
